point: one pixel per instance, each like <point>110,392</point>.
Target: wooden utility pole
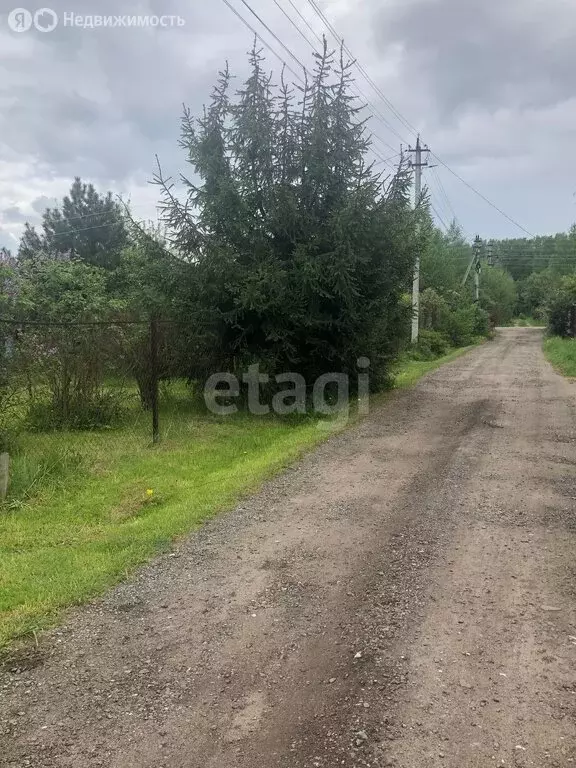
<point>417,164</point>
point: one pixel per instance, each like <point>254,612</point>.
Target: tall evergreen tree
<point>301,253</point>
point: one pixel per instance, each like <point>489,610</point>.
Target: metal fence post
<point>154,379</point>
<point>4,475</point>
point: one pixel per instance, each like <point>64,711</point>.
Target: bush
<point>103,409</point>
<point>466,324</point>
<point>562,309</point>
<point>455,320</point>
<point>498,295</point>
<point>431,344</point>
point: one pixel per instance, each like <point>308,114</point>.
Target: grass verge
<point>410,371</point>
<point>562,354</point>
<point>528,322</point>
<point>102,503</point>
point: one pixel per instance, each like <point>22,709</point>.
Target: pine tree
<point>87,226</point>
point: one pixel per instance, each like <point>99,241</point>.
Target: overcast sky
<point>488,83</point>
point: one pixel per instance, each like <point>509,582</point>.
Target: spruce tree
<point>300,252</point>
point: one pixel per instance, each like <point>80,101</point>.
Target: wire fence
<point>66,369</point>
<point>66,387</point>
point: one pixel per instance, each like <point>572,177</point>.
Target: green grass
<point>562,354</point>
<point>527,322</point>
<point>86,508</point>
<point>411,370</point>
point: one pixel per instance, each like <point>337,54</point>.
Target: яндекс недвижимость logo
<point>21,20</point>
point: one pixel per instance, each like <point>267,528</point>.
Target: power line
<point>443,193</point>
<point>271,32</point>
<point>439,217</point>
<point>87,229</point>
<point>286,48</point>
<point>483,197</point>
<point>306,22</point>
<point>259,37</point>
<point>365,74</point>
<point>291,20</point>
<point>404,120</point>
<point>438,198</point>
<point>354,61</point>
<point>357,89</point>
<point>387,160</point>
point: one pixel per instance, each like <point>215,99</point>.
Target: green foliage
<point>434,310</point>
<point>528,322</point>
<point>8,426</point>
<point>498,295</point>
<point>87,226</point>
<point>466,324</point>
<point>455,317</point>
<point>299,254</point>
<point>431,344</point>
<point>62,292</point>
<point>536,292</point>
<point>522,257</point>
<point>562,308</point>
<point>33,471</point>
<point>65,361</point>
<point>447,307</point>
<point>444,261</point>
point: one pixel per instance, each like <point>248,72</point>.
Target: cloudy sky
<point>488,83</point>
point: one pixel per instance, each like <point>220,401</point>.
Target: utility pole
<point>417,164</point>
<point>477,264</point>
<point>477,281</point>
<point>490,254</point>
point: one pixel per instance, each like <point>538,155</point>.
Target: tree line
<point>287,249</point>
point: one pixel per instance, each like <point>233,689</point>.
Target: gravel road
<point>404,596</point>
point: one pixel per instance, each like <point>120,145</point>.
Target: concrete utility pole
<point>490,254</point>
<point>417,164</point>
<point>477,281</point>
<point>477,264</point>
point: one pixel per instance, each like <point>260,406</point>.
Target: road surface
<point>404,596</point>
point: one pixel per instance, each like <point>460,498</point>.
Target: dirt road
<point>404,597</point>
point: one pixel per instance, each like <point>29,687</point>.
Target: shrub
<point>431,344</point>
<point>562,309</point>
<point>466,324</point>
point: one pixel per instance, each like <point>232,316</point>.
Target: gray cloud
<point>488,83</point>
<point>512,53</point>
<point>13,214</point>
